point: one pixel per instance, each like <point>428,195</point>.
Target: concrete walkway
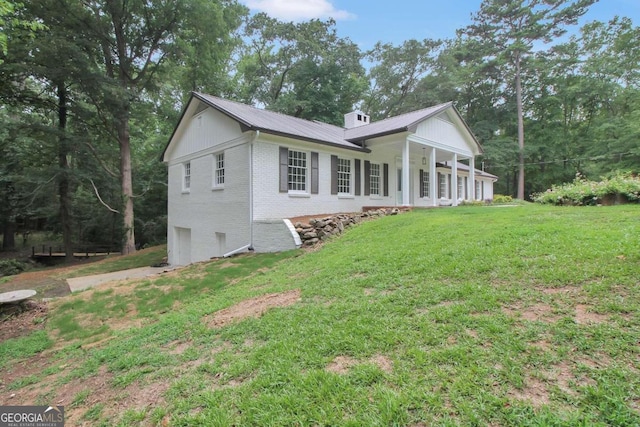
<point>86,282</point>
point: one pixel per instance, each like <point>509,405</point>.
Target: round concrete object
<point>16,296</point>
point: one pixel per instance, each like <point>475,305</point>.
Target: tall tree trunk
<point>129,242</point>
<point>519,107</point>
<point>63,176</point>
<point>9,235</point>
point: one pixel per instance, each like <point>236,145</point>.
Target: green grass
<point>142,258</point>
<point>466,316</point>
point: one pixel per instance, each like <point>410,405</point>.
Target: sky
<point>368,21</point>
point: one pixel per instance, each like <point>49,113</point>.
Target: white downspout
<point>249,246</point>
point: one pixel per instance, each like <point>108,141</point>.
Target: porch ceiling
<point>394,149</point>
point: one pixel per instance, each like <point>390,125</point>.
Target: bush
<point>501,198</point>
<point>622,187</point>
<point>472,203</point>
<point>10,267</point>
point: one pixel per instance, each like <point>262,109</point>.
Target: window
<point>344,176</point>
<point>442,185</point>
<point>460,187</point>
<point>297,175</point>
<point>186,182</point>
<point>374,179</point>
<point>218,174</point>
<point>478,190</point>
<point>426,184</point>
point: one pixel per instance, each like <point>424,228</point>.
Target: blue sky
<point>367,22</point>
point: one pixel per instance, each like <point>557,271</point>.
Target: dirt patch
<point>227,264</point>
<point>342,364</point>
<point>542,345</point>
<point>472,333</point>
<point>535,313</point>
<point>254,307</point>
<point>559,291</point>
<point>585,316</point>
<point>534,392</point>
<point>17,320</point>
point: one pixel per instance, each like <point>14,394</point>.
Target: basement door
<point>183,245</point>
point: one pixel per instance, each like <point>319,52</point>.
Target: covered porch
<point>427,174</point>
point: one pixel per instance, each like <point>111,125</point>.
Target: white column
<point>472,178</point>
<point>433,178</point>
<point>405,175</point>
<point>454,180</point>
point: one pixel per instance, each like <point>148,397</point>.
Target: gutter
<point>249,246</point>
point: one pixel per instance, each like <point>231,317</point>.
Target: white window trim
<point>342,194</point>
<point>186,183</point>
<point>426,183</point>
<point>307,176</point>
<point>214,184</point>
<point>375,196</point>
<point>444,193</point>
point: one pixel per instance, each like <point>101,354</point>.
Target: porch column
<point>405,175</point>
<point>472,178</point>
<point>433,178</point>
<point>454,180</point>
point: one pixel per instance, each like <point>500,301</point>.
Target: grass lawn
<point>523,315</point>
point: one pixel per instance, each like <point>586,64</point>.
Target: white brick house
<point>237,172</point>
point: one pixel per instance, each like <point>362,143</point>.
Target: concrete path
<point>86,282</point>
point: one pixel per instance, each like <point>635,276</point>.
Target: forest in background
<point>91,91</point>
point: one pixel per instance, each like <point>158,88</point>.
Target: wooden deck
<point>51,254</point>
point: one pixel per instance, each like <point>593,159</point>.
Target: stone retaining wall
<point>319,229</point>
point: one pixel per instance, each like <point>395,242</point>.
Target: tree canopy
<point>91,91</point>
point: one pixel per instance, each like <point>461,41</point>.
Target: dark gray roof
<point>251,118</point>
<point>280,124</point>
<point>401,123</point>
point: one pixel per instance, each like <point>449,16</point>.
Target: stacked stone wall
<point>319,229</point>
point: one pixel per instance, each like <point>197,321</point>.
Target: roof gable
<point>251,118</point>
<point>280,124</point>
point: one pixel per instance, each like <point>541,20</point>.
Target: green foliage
<point>486,325</point>
<point>501,198</point>
<point>24,347</point>
<point>9,267</point>
<point>623,187</point>
<point>304,70</point>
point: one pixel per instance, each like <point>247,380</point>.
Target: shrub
<point>501,198</point>
<point>581,192</point>
<point>472,203</point>
<point>9,267</point>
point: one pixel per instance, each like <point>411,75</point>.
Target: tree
<point>304,69</point>
<point>135,39</point>
<point>397,72</point>
<point>513,28</point>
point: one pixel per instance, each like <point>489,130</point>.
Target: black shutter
<point>449,185</point>
<point>421,183</point>
<point>367,178</point>
<point>284,169</point>
<point>314,173</point>
<point>334,174</point>
<point>358,178</point>
<point>385,170</point>
<point>439,187</point>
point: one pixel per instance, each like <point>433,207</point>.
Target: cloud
<point>299,10</point>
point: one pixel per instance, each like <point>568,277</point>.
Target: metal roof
<point>252,118</point>
<point>280,124</point>
<point>402,123</point>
